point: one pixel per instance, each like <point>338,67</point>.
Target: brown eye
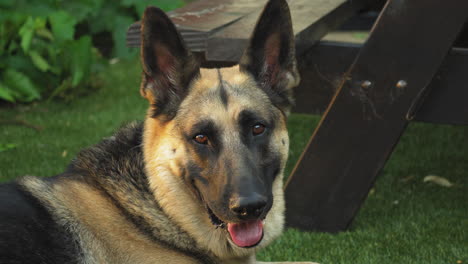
<point>258,129</point>
<point>201,139</point>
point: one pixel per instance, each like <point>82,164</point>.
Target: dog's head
<point>215,140</point>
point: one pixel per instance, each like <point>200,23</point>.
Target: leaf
<point>45,33</point>
<point>81,59</point>
<point>438,180</point>
<point>39,23</point>
<point>39,61</point>
<point>8,146</point>
<point>21,83</point>
<point>5,93</point>
<point>26,33</point>
<point>22,63</point>
<point>63,25</point>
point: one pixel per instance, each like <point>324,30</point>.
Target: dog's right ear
<point>168,66</point>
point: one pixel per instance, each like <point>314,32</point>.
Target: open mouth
<point>246,234</point>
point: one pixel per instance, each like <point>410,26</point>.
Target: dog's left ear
<point>270,56</point>
<point>168,66</point>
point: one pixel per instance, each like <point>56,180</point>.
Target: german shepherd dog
<point>200,181</point>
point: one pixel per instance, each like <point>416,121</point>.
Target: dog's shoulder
<point>112,152</point>
<point>28,232</point>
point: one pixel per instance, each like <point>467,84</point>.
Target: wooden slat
<point>197,19</point>
<point>209,15</point>
<point>311,21</point>
<point>364,122</point>
<point>323,68</point>
<point>223,27</point>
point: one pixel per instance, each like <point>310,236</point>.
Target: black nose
<point>248,207</point>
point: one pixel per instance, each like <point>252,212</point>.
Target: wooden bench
<point>407,70</point>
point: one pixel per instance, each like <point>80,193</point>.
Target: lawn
<point>404,220</point>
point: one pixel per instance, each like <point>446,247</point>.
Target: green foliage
<point>8,146</point>
<point>46,46</point>
<point>20,86</point>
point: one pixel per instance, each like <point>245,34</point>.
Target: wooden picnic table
<point>407,70</point>
<point>220,29</point>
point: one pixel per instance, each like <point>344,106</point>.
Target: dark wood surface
<point>221,28</point>
<point>447,99</point>
<point>311,21</point>
<point>323,68</point>
<point>365,120</point>
<point>198,19</point>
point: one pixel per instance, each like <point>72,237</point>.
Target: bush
<point>46,46</point>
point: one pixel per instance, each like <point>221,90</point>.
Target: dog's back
<point>28,233</point>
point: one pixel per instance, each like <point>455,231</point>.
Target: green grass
<point>403,221</point>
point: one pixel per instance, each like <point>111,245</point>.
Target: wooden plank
<point>223,27</point>
<point>209,15</point>
<point>196,20</point>
<point>446,102</point>
<point>323,68</point>
<point>311,21</point>
<point>368,113</point>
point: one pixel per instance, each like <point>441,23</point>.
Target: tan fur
<point>105,234</point>
<point>172,193</point>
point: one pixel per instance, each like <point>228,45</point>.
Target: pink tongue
<point>246,234</point>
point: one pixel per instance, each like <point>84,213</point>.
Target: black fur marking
<point>272,168</point>
<point>194,175</point>
<point>247,119</point>
<point>29,234</point>
<point>214,219</point>
<point>191,180</point>
<point>206,127</point>
<point>222,89</point>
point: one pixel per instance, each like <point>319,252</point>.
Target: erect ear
<point>270,56</point>
<point>168,66</point>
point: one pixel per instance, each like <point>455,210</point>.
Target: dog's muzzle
<point>248,231</point>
